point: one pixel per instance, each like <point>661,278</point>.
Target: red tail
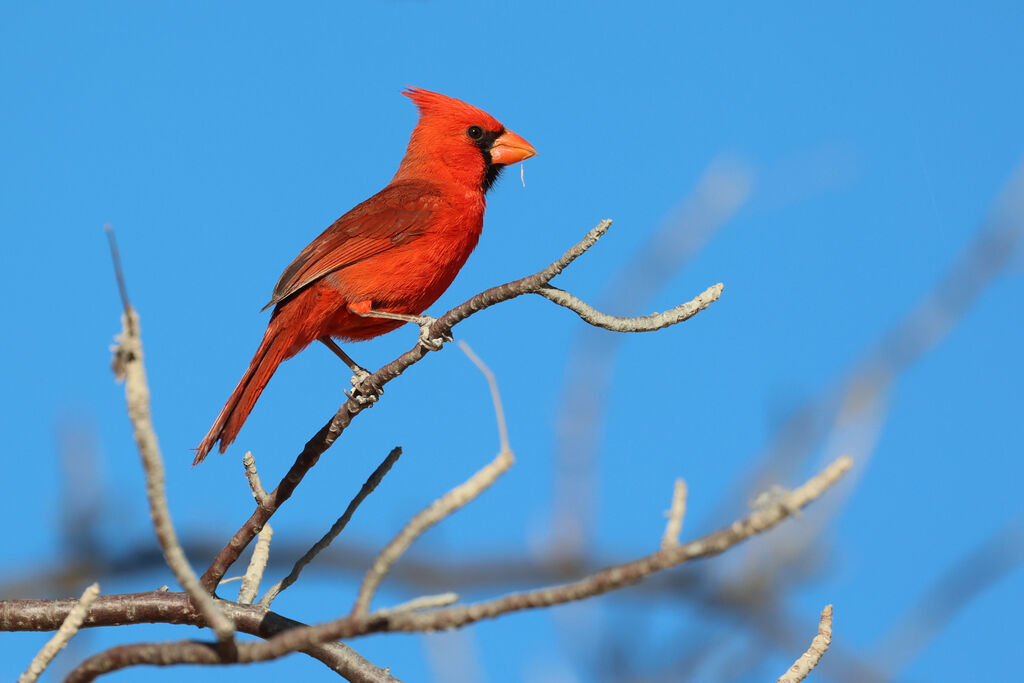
<point>277,345</point>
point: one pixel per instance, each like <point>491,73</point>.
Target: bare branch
<point>120,657</point>
<point>129,366</point>
<point>255,485</point>
<point>434,513</point>
<point>257,565</point>
<point>178,608</point>
<point>643,323</point>
<point>810,659</point>
<point>68,628</point>
<point>336,528</point>
<point>675,516</point>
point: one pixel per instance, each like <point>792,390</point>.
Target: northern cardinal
<point>395,253</point>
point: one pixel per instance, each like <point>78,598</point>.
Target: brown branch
<point>316,446</point>
<point>810,659</point>
<point>339,526</point>
<point>68,628</point>
<point>177,608</point>
<point>128,366</point>
<point>356,669</point>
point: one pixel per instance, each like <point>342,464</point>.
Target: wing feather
<point>394,216</point>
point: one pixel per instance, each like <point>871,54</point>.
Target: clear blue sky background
<point>220,139</point>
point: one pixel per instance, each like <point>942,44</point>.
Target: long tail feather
<point>274,348</point>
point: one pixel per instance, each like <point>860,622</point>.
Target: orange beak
<point>509,148</point>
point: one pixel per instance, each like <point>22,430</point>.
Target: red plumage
<point>396,252</point>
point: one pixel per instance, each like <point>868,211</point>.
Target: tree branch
<point>810,659</point>
<point>68,628</point>
<point>339,526</point>
<point>128,366</point>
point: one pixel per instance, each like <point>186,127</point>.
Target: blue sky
<point>868,144</point>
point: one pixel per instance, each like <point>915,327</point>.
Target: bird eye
<point>475,132</point>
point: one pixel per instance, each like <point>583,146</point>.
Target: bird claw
<point>428,342</point>
<point>364,390</point>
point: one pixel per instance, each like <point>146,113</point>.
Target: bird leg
<point>424,321</point>
<point>360,374</point>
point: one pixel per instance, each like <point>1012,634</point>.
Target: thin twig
<point>327,435</point>
<point>257,565</point>
<point>434,513</point>
<point>129,366</point>
<point>492,383</point>
<point>810,659</point>
<point>253,476</point>
<point>675,516</point>
<point>68,628</point>
<point>339,526</point>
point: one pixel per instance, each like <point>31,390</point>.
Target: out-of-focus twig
<point>68,628</point>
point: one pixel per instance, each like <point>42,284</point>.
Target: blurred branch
<point>957,586</point>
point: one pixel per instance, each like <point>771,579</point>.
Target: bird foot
<point>428,342</point>
<point>364,390</point>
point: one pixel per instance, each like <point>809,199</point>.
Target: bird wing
<point>394,216</point>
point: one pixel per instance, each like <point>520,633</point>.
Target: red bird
<point>395,253</point>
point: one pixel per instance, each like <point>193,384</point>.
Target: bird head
<point>458,142</point>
